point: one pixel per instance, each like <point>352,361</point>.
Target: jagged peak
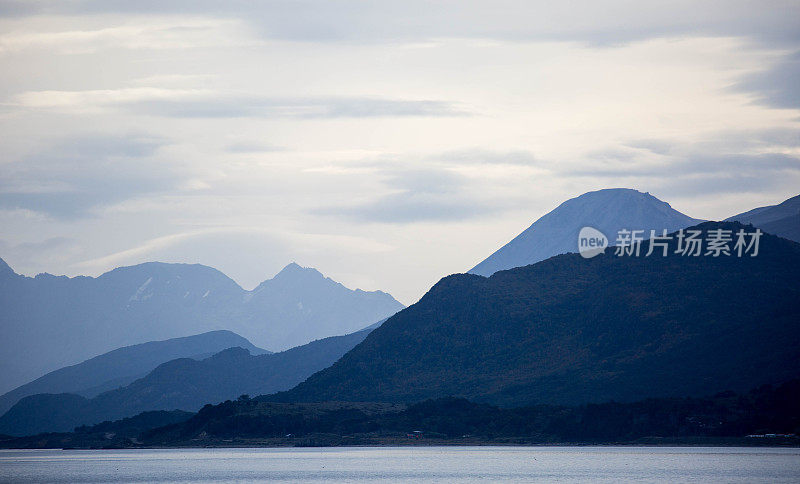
<point>293,268</point>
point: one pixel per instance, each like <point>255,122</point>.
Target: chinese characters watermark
<point>690,243</point>
<point>687,242</point>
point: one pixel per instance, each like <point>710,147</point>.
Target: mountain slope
<point>184,383</point>
<point>570,330</point>
<point>49,322</point>
<point>124,365</point>
<point>782,219</point>
<point>608,210</point>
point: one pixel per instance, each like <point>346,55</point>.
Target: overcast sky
<point>385,143</point>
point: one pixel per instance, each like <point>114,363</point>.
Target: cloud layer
<point>386,143</point>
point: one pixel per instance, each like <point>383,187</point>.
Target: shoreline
<point>653,442</point>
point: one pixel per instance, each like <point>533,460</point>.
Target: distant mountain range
<point>782,219</point>
<point>122,366</point>
<point>570,330</point>
<point>608,211</point>
<point>185,384</point>
<point>563,330</point>
<point>49,321</point>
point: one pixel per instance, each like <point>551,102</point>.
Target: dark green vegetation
<point>726,418</point>
<point>184,383</point>
<point>570,331</point>
<point>124,365</point>
<point>120,433</point>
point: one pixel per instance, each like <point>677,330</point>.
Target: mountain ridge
<point>570,330</point>
<point>55,321</point>
<point>181,383</point>
<point>782,219</point>
<point>122,366</point>
<point>607,210</point>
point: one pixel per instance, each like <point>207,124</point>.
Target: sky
<point>386,144</point>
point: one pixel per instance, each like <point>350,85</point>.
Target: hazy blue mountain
<point>185,384</point>
<point>122,366</point>
<point>782,219</point>
<point>570,330</point>
<point>49,322</point>
<point>608,210</point>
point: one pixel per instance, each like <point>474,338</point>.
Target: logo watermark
<point>591,242</point>
<point>688,243</point>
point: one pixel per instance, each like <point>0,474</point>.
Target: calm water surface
<point>396,464</point>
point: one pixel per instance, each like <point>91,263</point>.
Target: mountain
<point>608,210</point>
<point>49,322</point>
<point>185,384</point>
<point>782,219</point>
<point>570,330</point>
<point>122,366</point>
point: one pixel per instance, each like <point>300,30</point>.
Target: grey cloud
<point>657,146</point>
<point>778,86</point>
<point>597,23</point>
<point>252,147</point>
<point>697,163</point>
<point>428,188</point>
<point>32,248</point>
<point>133,146</point>
<point>729,141</point>
<point>408,206</point>
<point>614,154</point>
<point>310,108</point>
<point>729,162</point>
<point>482,156</point>
<point>418,195</point>
<point>16,8</point>
<point>70,177</point>
<point>711,184</point>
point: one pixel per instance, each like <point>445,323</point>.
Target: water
<point>406,464</point>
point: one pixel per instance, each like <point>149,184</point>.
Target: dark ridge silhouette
<point>570,330</point>
<point>184,384</point>
<point>122,366</point>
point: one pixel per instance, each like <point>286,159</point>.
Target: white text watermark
<point>688,242</point>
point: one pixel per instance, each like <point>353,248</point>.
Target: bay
<point>406,464</point>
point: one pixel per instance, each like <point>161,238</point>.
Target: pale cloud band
<point>391,142</point>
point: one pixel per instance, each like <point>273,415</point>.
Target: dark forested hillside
<point>570,330</point>
<point>183,383</point>
<point>124,365</point>
<point>767,415</point>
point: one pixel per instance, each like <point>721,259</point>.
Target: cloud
<point>771,22</point>
<point>71,176</point>
<point>418,195</point>
<point>733,161</point>
<point>409,206</point>
<point>252,147</point>
<point>154,34</point>
<point>310,108</point>
<point>40,253</point>
<point>777,86</point>
<point>102,98</point>
<point>481,156</point>
<point>34,249</point>
<point>201,103</point>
